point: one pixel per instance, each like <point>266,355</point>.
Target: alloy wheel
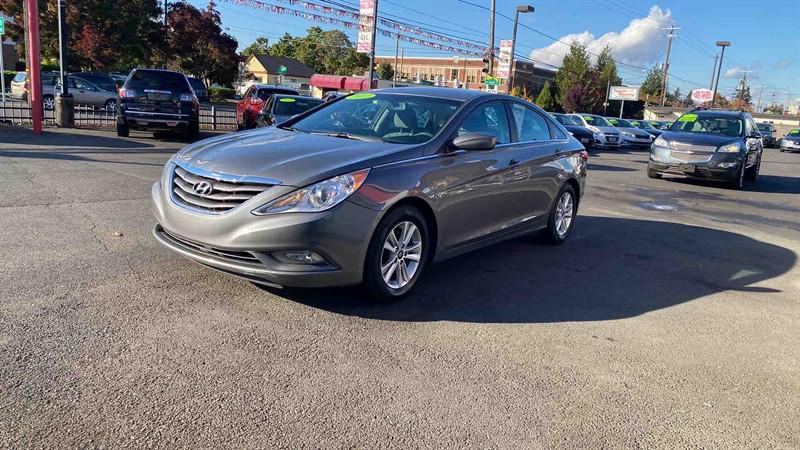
<point>564,213</point>
<point>48,103</point>
<point>401,254</point>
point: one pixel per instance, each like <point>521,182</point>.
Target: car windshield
<point>621,123</point>
<point>101,81</point>
<point>567,120</point>
<point>159,80</point>
<point>289,106</point>
<point>709,124</point>
<point>399,118</point>
<point>764,127</point>
<point>794,133</point>
<point>643,125</point>
<point>596,121</point>
<point>197,85</point>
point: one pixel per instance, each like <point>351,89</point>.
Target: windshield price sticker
<point>688,118</point>
<point>287,100</point>
<point>361,96</point>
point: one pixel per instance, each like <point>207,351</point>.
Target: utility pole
<point>491,41</point>
<point>788,100</point>
<point>372,44</point>
<point>743,84</point>
<point>722,44</point>
<point>714,72</point>
<point>608,90</point>
<point>520,9</point>
<point>670,36</point>
<point>396,54</point>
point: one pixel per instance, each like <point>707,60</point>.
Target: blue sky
<point>765,34</point>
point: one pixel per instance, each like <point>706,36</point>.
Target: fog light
<point>727,165</point>
<point>301,257</point>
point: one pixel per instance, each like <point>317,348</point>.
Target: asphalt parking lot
<point>671,318</point>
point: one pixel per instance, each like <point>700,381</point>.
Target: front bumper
<point>790,146</point>
<point>637,142</point>
<point>720,166</point>
<point>603,141</point>
<point>340,235</point>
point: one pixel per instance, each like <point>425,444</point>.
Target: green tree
<point>774,109</point>
<point>104,35</point>
<point>653,86</point>
<point>576,70</point>
<point>198,46</point>
<point>259,47</point>
<point>606,67</point>
<point>385,71</point>
<point>546,98</point>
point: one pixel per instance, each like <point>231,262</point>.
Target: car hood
<point>636,132</point>
<point>612,130</point>
<point>578,131</point>
<point>697,139</point>
<point>295,159</point>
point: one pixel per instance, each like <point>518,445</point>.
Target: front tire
<point>751,174</point>
<point>397,253</point>
<point>48,102</point>
<point>738,182</point>
<point>562,216</point>
<point>193,131</point>
<point>653,174</point>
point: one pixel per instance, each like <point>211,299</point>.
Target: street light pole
<point>491,40</point>
<point>372,49</point>
<point>722,44</point>
<point>520,9</point>
<point>670,36</point>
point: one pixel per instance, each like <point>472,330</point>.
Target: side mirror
<point>475,141</point>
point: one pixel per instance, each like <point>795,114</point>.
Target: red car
<point>249,107</point>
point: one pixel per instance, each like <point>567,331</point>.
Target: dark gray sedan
<point>371,188</point>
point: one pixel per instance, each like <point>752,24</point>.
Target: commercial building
<point>465,72</point>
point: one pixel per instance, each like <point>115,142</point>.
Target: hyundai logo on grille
<point>202,188</point>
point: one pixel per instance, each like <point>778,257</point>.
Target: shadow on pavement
<point>610,269</point>
<point>76,156</point>
<point>67,139</point>
<point>606,168</point>
<point>770,184</point>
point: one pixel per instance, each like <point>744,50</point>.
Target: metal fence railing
<point>19,113</point>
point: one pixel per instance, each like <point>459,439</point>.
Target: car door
<point>242,106</point>
<point>473,202</point>
<point>535,181</point>
<point>91,94</point>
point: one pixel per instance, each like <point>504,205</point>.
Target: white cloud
<point>784,63</point>
<point>734,72</point>
<point>641,42</point>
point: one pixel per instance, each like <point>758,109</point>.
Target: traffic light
<point>485,65</point>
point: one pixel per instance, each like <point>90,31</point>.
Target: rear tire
<point>193,131</point>
<point>562,216</point>
<point>48,102</point>
<point>122,130</point>
<point>738,182</point>
<point>388,257</point>
<point>110,105</point>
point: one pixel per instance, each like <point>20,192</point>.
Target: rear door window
<point>531,126</point>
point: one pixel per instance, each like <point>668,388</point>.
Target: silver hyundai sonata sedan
<point>371,188</point>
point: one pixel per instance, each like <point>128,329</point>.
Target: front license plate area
<point>686,167</point>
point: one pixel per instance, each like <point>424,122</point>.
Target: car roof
<point>718,112</point>
<point>439,92</point>
<point>304,97</point>
<point>272,86</point>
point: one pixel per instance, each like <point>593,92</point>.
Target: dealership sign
<point>365,22</point>
<point>702,95</point>
<point>504,68</point>
<point>625,93</point>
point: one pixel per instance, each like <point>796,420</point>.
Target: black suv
<point>767,131</point>
<point>158,100</point>
<point>709,144</point>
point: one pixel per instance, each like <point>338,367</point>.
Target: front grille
<point>689,157</point>
<point>232,255</point>
<point>223,196</point>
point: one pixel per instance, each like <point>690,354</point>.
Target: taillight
<point>584,155</point>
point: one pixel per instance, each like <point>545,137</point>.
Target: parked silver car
<point>371,188</point>
<point>605,134</point>
<point>631,135</point>
<point>89,94</point>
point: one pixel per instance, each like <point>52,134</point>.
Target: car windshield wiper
<point>343,135</point>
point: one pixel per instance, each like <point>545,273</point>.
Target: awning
<point>356,84</point>
<point>327,81</point>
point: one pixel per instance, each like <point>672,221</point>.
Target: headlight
<point>593,128</point>
<point>730,148</point>
<point>318,197</point>
<point>661,142</point>
<point>627,133</point>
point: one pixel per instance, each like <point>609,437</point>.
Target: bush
<point>220,94</point>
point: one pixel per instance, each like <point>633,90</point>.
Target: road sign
<point>366,19</point>
<point>281,70</point>
<point>2,25</point>
<point>624,93</point>
<point>702,95</point>
<point>504,68</point>
<point>492,81</point>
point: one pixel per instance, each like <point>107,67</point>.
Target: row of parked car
<point>94,89</point>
